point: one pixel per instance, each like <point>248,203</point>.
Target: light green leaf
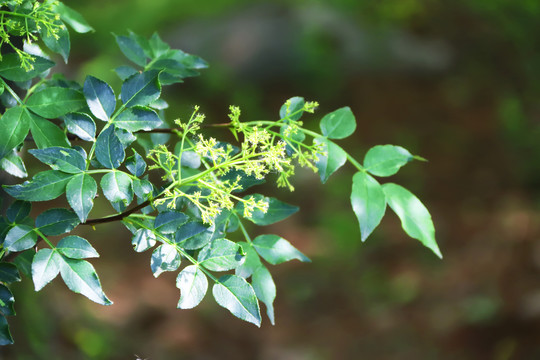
<point>131,49</point>
<point>13,164</point>
<point>56,221</point>
<point>80,193</point>
<point>75,247</point>
<point>124,72</point>
<point>194,235</point>
<point>73,18</point>
<point>143,240</point>
<point>117,189</point>
<point>11,67</point>
<point>386,160</point>
<point>81,278</point>
<point>109,149</point>
<point>292,108</point>
<point>7,301</point>
<point>53,102</point>
<point>9,273</point>
<point>193,286</point>
<point>14,126</point>
<point>5,335</point>
<point>20,237</point>
<point>135,164</point>
<point>237,295</point>
<point>164,258</point>
<point>276,250</point>
<point>81,125</point>
<point>251,263</point>
<point>141,89</point>
<point>99,97</point>
<point>277,210</point>
<point>60,43</point>
<point>169,221</point>
<point>138,118</point>
<point>18,211</point>
<point>45,133</point>
<point>46,185</point>
<point>333,159</point>
<point>60,158</point>
<point>338,124</point>
<point>368,203</point>
<point>221,255</point>
<point>45,267</point>
<point>265,289</point>
<point>415,218</point>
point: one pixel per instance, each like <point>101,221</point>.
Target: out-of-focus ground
<point>457,82</point>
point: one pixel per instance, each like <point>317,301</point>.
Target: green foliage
<point>188,198</point>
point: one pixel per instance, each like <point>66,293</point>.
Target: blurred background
<point>454,81</point>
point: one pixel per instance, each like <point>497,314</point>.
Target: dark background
<point>456,82</point>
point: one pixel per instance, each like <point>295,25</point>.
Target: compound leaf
<point>73,18</point>
<point>45,267</point>
<point>237,295</point>
<point>14,127</point>
<point>80,193</point>
<point>9,273</point>
<point>75,247</point>
<point>265,289</point>
<point>18,210</point>
<point>56,221</point>
<point>13,164</point>
<point>138,118</point>
<point>193,286</point>
<point>109,149</point>
<point>338,124</point>
<point>60,158</point>
<point>117,188</point>
<point>333,159</point>
<point>276,250</point>
<point>386,160</point>
<point>277,210</point>
<point>99,97</point>
<point>221,255</point>
<point>46,185</point>
<point>12,69</point>
<point>53,102</point>
<point>164,258</point>
<point>141,89</point>
<point>82,125</point>
<point>20,237</point>
<point>81,278</point>
<point>368,203</point>
<point>169,221</point>
<point>7,300</point>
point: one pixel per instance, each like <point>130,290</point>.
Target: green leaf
<point>251,263</point>
<point>415,218</point>
<point>57,221</point>
<point>99,97</point>
<point>143,240</point>
<point>168,222</point>
<point>7,300</point>
<point>386,160</point>
<point>18,211</point>
<point>46,185</point>
<point>164,258</point>
<point>13,164</point>
<point>131,49</point>
<point>109,149</point>
<point>14,126</point>
<point>9,273</point>
<point>276,250</point>
<point>19,238</point>
<point>53,102</point>
<point>277,210</point>
<point>236,295</point>
<point>265,289</point>
<point>75,247</point>
<point>193,286</point>
<point>60,45</point>
<point>124,72</point>
<point>221,255</point>
<point>5,335</point>
<point>11,67</point>
<point>73,18</point>
<point>135,164</point>
<point>292,108</point>
<point>194,235</point>
<point>143,189</point>
<point>334,159</point>
<point>138,118</point>
<point>368,203</point>
<point>81,278</point>
<point>60,158</point>
<point>81,125</point>
<point>45,133</point>
<point>80,193</point>
<point>117,189</point>
<point>338,124</point>
<point>24,262</point>
<point>45,267</point>
<point>141,89</point>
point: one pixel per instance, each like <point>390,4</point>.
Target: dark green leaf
<point>117,189</point>
<point>193,285</point>
<point>277,210</point>
<point>138,118</point>
<point>368,203</point>
<point>135,164</point>
<point>80,193</point>
<point>81,278</point>
<point>338,124</point>
<point>81,125</point>
<point>9,273</point>
<point>333,159</point>
<point>46,185</point>
<point>194,235</point>
<point>277,250</point>
<point>13,164</point>
<point>73,18</point>
<point>109,149</point>
<point>11,68</point>
<point>60,45</point>
<point>14,127</point>
<point>143,240</point>
<point>221,255</point>
<point>24,262</point>
<point>18,210</point>
<point>99,97</point>
<point>124,72</point>
<point>236,295</point>
<point>4,228</point>
<point>143,189</point>
<point>53,102</point>
<point>5,335</point>
<point>168,222</point>
<point>60,158</point>
<point>164,258</point>
<point>386,160</point>
<point>415,218</point>
<point>76,247</point>
<point>45,133</point>
<point>56,221</point>
<point>141,89</point>
<point>251,263</point>
<point>131,49</point>
<point>292,109</point>
<point>20,237</point>
<point>265,289</point>
<point>45,267</point>
<point>6,301</point>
